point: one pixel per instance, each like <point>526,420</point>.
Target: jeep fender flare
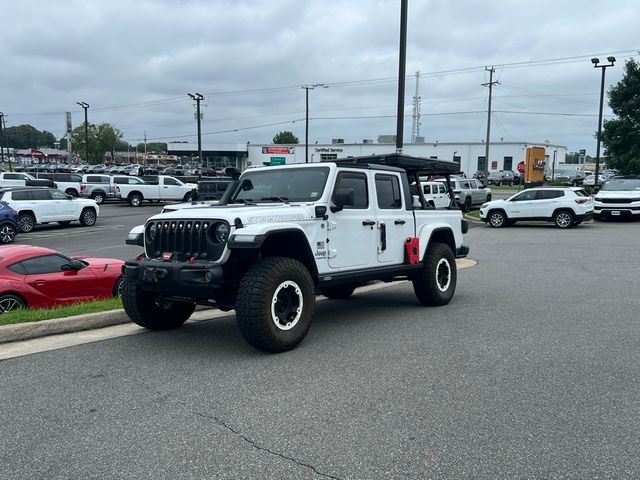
<point>441,233</point>
<point>281,239</point>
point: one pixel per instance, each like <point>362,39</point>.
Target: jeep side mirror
<point>342,197</point>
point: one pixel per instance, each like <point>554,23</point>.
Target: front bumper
<point>179,279</point>
<point>616,211</point>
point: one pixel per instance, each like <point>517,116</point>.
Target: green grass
<point>504,187</point>
<point>37,315</point>
<point>474,214</point>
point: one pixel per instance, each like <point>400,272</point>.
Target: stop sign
<point>520,167</point>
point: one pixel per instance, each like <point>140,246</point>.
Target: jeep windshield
<point>622,185</point>
<point>281,185</point>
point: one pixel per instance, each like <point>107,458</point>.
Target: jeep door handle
<point>399,222</point>
<point>368,223</point>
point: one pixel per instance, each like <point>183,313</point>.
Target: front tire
<point>26,222</point>
<point>7,233</point>
<point>497,219</point>
<point>151,311</point>
<point>88,217</point>
<point>275,303</point>
<point>435,284</point>
<point>563,219</point>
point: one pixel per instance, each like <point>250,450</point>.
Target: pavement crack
<point>188,408</point>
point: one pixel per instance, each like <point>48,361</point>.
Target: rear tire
<point>26,222</point>
<point>135,199</point>
<point>563,219</point>
<point>151,311</point>
<point>275,303</point>
<point>435,284</point>
<point>98,197</point>
<point>466,206</point>
<point>8,233</point>
<point>10,302</point>
<point>338,292</point>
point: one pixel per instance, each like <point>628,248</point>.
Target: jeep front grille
<point>184,238</point>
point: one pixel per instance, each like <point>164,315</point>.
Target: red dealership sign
<point>280,150</point>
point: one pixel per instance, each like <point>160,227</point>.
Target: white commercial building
<point>470,155</point>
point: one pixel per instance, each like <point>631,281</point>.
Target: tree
<point>285,137</point>
<point>153,147</point>
<point>103,138</point>
<point>26,136</point>
<point>621,136</point>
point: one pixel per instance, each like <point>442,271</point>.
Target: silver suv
<point>469,192</point>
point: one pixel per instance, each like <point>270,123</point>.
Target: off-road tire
<point>135,199</point>
<point>10,302</point>
<point>466,206</point>
<point>563,219</point>
<point>148,310</point>
<point>98,197</point>
<point>7,233</point>
<point>435,283</point>
<point>339,292</point>
<point>26,222</point>
<point>88,217</point>
<point>273,288</point>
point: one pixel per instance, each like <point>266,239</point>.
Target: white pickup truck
<point>281,234</point>
<point>166,188</point>
<point>19,179</point>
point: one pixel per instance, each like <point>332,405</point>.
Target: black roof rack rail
<point>412,165</point>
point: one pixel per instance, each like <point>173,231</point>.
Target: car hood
<point>248,214</point>
<point>618,194</point>
<point>495,203</point>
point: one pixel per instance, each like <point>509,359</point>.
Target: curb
<point>472,219</point>
<point>55,326</point>
<point>89,321</point>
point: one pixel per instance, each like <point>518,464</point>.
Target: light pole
<point>85,105</point>
<point>198,97</point>
<point>306,123</point>
<point>595,62</point>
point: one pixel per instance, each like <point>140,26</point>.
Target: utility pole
<point>306,123</point>
<point>402,68</point>
<point>595,62</point>
<point>85,105</point>
<point>415,131</point>
<point>2,142</point>
<point>198,97</point>
<point>144,160</point>
<point>490,84</point>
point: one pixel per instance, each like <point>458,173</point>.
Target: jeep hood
<point>248,214</point>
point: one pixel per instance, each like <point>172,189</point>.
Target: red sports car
<point>36,277</point>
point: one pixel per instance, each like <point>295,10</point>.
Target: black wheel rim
<point>286,305</point>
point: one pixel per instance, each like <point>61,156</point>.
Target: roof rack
<point>413,165</point>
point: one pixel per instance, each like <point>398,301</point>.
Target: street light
<point>198,97</point>
<point>85,105</point>
<point>595,62</point>
<point>306,124</point>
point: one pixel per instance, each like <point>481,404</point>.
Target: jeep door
<point>392,218</point>
<point>172,189</point>
<point>522,205</point>
<point>352,231</point>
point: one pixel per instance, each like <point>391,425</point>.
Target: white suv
<point>44,205</point>
<point>618,197</point>
<point>563,206</point>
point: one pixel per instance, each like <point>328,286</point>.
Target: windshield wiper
<point>246,201</point>
<point>277,199</point>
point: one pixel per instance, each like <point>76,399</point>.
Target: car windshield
<point>622,184</point>
<point>279,184</point>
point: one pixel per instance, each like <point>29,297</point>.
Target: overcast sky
<point>135,61</point>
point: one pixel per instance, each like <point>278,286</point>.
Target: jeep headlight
<point>221,232</point>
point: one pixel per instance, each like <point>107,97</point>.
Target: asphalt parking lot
<point>532,371</point>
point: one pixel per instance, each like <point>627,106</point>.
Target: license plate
<point>615,212</point>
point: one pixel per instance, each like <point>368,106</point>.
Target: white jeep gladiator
<point>282,234</point>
